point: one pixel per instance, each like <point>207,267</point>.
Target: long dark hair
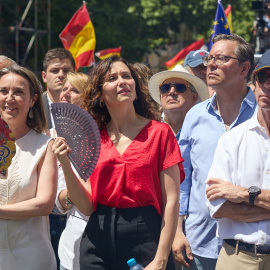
<point>143,104</point>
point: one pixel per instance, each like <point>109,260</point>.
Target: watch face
<point>254,189</point>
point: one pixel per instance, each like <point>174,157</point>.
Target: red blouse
<point>132,180</point>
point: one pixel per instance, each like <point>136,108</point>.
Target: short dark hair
<point>243,51</point>
<point>143,104</point>
<point>38,122</point>
<point>57,53</point>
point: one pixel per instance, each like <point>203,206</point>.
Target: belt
<point>257,249</point>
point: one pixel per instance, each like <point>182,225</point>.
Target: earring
<point>31,113</point>
<point>101,104</point>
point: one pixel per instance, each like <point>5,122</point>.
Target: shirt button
<point>266,150</point>
<point>267,172</point>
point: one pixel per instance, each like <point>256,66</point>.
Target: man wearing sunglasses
<point>176,91</point>
<point>238,190</point>
<point>229,65</point>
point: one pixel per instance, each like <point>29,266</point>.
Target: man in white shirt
<point>238,192</point>
<point>56,64</point>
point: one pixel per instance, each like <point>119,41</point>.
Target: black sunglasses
<point>179,87</point>
<point>261,77</point>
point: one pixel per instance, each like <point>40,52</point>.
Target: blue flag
<point>220,25</point>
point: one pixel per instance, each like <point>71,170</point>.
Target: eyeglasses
<point>219,59</point>
<point>261,77</point>
<point>179,87</point>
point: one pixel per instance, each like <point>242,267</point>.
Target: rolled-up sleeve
<point>221,168</point>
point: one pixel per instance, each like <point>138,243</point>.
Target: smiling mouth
<point>10,109</point>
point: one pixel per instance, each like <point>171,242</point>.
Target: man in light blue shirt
<point>229,65</point>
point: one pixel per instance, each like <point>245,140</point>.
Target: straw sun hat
<point>177,72</point>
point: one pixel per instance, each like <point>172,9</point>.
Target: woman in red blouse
<point>133,193</point>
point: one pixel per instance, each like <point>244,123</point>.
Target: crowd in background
<point>200,124</point>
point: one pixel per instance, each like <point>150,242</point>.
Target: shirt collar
<point>254,123</point>
<point>249,99</point>
<point>49,100</point>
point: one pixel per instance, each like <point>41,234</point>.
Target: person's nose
<point>267,83</point>
<point>9,97</point>
<point>61,74</point>
<point>211,63</point>
<point>121,80</point>
<point>172,90</point>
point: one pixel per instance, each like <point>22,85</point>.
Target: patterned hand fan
<point>7,146</point>
<point>82,135</point>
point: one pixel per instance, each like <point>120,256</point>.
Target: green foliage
<point>139,26</point>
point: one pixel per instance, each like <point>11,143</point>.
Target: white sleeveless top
<point>25,244</point>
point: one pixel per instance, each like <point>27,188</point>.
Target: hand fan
<point>7,146</point>
<point>81,133</point>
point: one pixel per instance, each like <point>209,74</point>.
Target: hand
<point>222,189</point>
<point>181,244</point>
<point>61,149</point>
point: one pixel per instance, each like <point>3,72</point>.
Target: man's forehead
<point>224,46</point>
<point>60,63</point>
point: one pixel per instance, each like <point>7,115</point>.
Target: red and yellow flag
<point>79,38</point>
<point>108,52</point>
<point>228,13</point>
<point>180,57</point>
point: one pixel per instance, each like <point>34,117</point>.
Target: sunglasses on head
<point>261,77</point>
<point>179,87</point>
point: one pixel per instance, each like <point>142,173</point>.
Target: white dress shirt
<point>243,158</point>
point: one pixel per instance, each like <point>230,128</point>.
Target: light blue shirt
<point>201,130</point>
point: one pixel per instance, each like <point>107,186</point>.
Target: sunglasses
<point>261,77</point>
<point>179,87</point>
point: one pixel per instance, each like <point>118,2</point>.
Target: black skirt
<point>113,236</point>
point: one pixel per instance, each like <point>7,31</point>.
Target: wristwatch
<point>253,192</point>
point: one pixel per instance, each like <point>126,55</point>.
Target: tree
<point>139,26</point>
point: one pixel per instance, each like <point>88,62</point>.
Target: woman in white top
<point>74,87</point>
<point>28,189</point>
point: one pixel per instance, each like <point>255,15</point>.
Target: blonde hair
<point>79,81</point>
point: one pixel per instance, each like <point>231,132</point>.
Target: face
<point>119,85</point>
<point>56,73</point>
<point>199,71</point>
<point>228,74</point>
<point>262,92</point>
<point>15,99</point>
<point>70,94</point>
<point>174,101</point>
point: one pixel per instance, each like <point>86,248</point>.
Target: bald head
<point>6,62</point>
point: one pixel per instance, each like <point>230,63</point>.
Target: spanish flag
<point>180,57</point>
<point>79,38</point>
<point>108,52</point>
<point>228,13</point>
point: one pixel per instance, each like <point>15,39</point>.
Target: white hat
<point>177,72</point>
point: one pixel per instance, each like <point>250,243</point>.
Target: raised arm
<point>170,186</point>
<point>79,191</point>
<point>42,204</point>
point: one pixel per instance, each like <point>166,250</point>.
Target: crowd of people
<point>199,124</point>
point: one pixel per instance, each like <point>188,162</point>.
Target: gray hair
<point>6,62</point>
